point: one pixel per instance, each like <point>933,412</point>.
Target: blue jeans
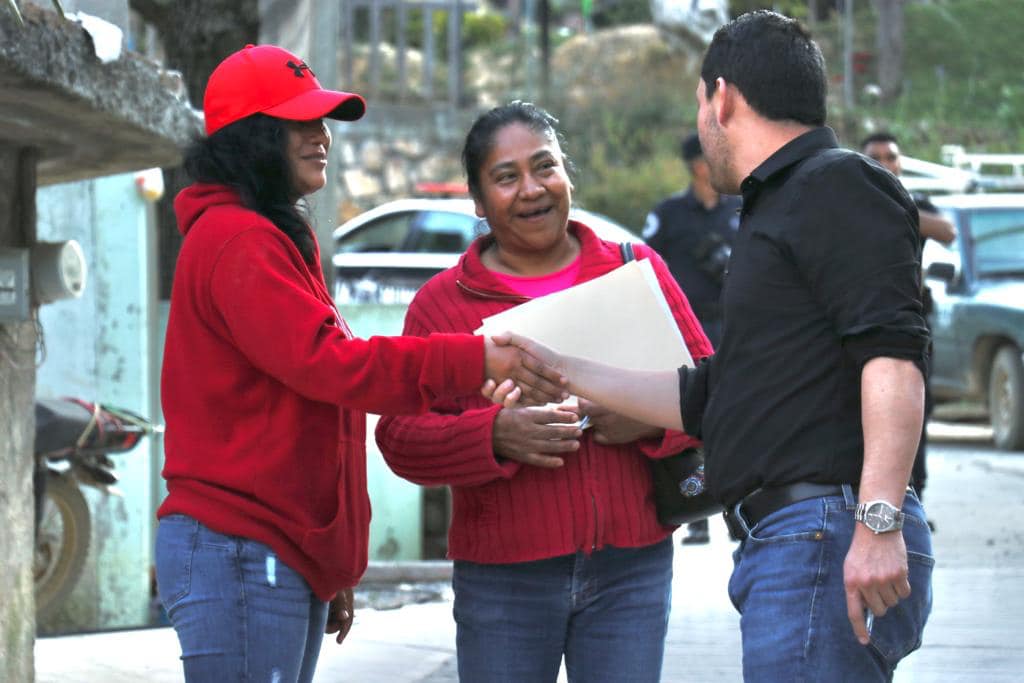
<point>239,612</point>
<point>608,614</point>
<point>787,584</point>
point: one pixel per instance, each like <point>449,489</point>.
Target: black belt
<point>763,502</point>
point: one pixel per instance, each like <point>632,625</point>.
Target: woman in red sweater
<point>264,388</point>
<point>557,547</point>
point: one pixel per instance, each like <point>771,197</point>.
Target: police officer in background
<point>693,231</point>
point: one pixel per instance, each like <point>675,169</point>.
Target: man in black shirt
<point>693,232</point>
<point>811,408</point>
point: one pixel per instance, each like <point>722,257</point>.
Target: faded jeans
<point>787,584</point>
<point>607,612</point>
<point>240,613</point>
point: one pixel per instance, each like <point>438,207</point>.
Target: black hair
<point>774,63</point>
<point>690,149</point>
<point>249,157</point>
<point>881,136</point>
<point>480,139</point>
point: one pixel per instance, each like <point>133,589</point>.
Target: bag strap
<point>627,251</point>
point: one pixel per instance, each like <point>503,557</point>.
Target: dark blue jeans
<point>787,584</point>
<point>607,613</point>
<point>240,613</point>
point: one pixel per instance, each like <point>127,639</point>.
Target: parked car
<point>977,286</point>
<point>384,255</point>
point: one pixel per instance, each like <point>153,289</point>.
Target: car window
<point>441,232</point>
<point>997,237</point>
<point>384,234</point>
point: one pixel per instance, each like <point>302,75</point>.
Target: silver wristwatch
<point>879,516</point>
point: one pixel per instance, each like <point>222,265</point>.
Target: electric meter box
<point>14,285</point>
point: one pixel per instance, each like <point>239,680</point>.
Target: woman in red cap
<point>264,529</point>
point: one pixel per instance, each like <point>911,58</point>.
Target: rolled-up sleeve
<point>871,295</point>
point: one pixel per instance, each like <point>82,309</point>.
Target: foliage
<point>608,13</point>
<point>627,148</point>
<point>479,29</point>
<point>483,28</point>
<point>627,192</point>
<point>963,83</point>
<point>791,8</point>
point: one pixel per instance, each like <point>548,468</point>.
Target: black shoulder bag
<point>680,495</point>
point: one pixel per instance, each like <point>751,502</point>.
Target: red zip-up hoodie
<point>264,391</point>
<point>503,511</point>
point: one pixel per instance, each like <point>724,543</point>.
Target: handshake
<point>523,372</point>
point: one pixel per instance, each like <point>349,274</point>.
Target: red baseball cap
<point>266,79</point>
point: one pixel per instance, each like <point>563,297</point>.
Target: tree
<point>889,39</point>
<point>196,35</point>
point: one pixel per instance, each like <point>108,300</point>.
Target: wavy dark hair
<point>249,157</point>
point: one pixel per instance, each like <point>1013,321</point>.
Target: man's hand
<point>340,613</point>
<point>612,428</point>
<point>541,353</point>
<point>534,436</point>
<point>875,576</point>
<point>539,382</point>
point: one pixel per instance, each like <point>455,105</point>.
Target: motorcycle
<point>73,441</point>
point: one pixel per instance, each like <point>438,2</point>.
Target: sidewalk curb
<point>407,571</point>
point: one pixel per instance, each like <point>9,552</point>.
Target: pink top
<point>545,284</point>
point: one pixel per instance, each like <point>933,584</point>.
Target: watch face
<point>879,516</point>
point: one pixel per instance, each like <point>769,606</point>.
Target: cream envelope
<point>620,319</point>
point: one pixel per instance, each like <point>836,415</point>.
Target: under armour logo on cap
<point>251,81</point>
<point>299,68</point>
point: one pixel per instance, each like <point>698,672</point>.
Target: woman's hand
<point>340,613</point>
<point>612,428</point>
<point>537,381</point>
<point>506,393</point>
<point>535,436</point>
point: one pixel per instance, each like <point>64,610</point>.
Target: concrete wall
<point>101,348</point>
<point>114,11</point>
<point>17,382</point>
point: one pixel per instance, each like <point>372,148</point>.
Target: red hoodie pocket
<point>339,549</point>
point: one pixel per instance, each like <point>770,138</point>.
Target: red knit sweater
<point>264,389</point>
<point>505,511</point>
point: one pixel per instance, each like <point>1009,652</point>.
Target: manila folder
<point>620,318</point>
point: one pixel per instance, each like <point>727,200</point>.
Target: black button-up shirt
<point>824,276</point>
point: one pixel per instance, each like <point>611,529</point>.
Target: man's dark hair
<point>774,63</point>
<point>480,139</point>
<point>249,157</point>
<point>881,136</point>
<point>690,148</point>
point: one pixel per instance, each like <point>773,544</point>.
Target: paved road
<point>975,495</point>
